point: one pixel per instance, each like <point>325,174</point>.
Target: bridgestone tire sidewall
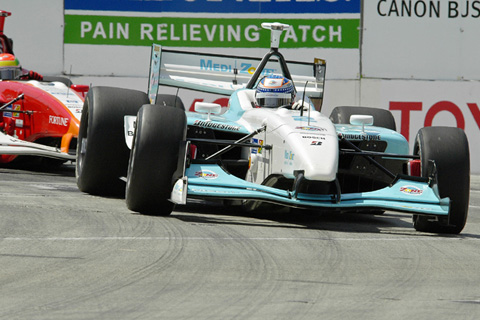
<point>448,147</point>
<point>154,159</point>
<point>103,159</point>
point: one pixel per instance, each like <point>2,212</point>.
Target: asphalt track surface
<point>69,255</point>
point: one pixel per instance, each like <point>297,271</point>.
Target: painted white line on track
<point>418,238</point>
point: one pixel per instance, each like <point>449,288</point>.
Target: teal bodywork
<point>211,181</point>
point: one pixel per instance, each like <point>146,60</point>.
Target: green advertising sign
<point>208,32</point>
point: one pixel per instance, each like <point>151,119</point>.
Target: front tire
<point>448,148</point>
<point>154,159</point>
<point>102,153</point>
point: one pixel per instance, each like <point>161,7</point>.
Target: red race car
<point>39,116</point>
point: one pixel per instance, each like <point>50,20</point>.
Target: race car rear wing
<point>223,74</point>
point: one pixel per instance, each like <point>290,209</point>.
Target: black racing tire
<point>381,117</point>
<point>63,80</point>
<point>448,147</point>
<point>154,159</point>
<point>102,153</point>
<point>170,100</point>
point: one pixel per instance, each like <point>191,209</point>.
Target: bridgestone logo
<point>215,125</point>
<point>361,137</point>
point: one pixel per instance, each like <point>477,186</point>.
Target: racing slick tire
<point>170,100</point>
<point>448,148</point>
<point>102,153</point>
<point>381,117</point>
<point>154,159</point>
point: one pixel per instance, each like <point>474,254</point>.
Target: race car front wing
<point>13,146</point>
<point>210,181</point>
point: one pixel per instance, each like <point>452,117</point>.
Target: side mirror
<point>361,120</point>
<point>208,108</point>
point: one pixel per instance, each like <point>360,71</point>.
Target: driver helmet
<point>9,67</point>
<point>275,91</point>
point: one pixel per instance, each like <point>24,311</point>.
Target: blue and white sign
<point>218,6</point>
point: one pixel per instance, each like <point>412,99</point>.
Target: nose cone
<point>313,149</point>
<point>300,142</point>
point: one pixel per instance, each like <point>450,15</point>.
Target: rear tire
<point>381,117</point>
<point>64,80</point>
<point>448,147</point>
<point>102,153</point>
<point>154,159</point>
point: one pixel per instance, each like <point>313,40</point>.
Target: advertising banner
<point>419,39</point>
<point>208,32</point>
<point>418,104</point>
<point>123,29</point>
<point>219,6</point>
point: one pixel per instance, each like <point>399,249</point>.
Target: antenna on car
<point>303,102</point>
<point>69,78</point>
<point>176,97</point>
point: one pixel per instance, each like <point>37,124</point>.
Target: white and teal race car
<point>351,161</point>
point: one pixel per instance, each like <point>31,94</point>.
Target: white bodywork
<point>300,142</point>
<point>63,94</point>
<point>14,146</point>
<point>307,143</point>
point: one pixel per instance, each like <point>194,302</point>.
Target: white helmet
<point>275,91</point>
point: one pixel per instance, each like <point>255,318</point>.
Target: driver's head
<point>275,91</point>
<point>9,67</point>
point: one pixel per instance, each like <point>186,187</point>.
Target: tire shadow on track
<point>301,219</point>
<point>40,166</point>
<point>392,223</point>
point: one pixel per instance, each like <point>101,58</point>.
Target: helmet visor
<point>273,99</point>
